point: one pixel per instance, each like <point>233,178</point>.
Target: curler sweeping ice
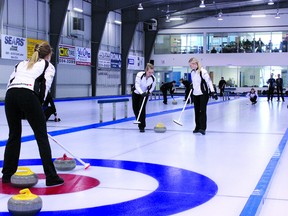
<point>143,102</point>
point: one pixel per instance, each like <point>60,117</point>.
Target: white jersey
<point>196,81</point>
<point>30,78</point>
<point>142,84</point>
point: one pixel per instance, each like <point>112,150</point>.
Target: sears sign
<point>13,47</point>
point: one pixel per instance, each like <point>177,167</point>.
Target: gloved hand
<point>144,94</point>
<point>214,95</point>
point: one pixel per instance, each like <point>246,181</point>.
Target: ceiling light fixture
<point>176,18</point>
<point>202,5</point>
<point>258,16</point>
<point>77,6</point>
<point>118,22</point>
<point>140,7</point>
<point>277,16</point>
<point>270,2</point>
<point>167,18</point>
<point>219,17</point>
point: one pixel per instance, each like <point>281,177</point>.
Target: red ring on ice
<point>73,183</point>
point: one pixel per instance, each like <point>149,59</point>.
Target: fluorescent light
<point>258,15</point>
<point>219,17</point>
<point>202,5</point>
<point>78,9</point>
<point>167,18</point>
<point>270,2</point>
<point>176,18</point>
<point>118,22</point>
<point>140,7</point>
<point>77,5</point>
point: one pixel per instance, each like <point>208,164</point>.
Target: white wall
<point>223,59</point>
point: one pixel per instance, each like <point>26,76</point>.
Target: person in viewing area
<point>279,87</point>
<point>271,87</point>
<point>221,86</point>
<point>28,86</point>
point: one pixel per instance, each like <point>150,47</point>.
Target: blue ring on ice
<point>179,190</point>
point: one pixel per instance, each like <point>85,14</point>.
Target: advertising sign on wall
<point>31,43</point>
<point>104,59</point>
<point>83,56</point>
<point>67,54</point>
<point>13,47</point>
<point>135,62</point>
<point>115,60</point>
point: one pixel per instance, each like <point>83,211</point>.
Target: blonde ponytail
<point>40,51</point>
<point>34,58</point>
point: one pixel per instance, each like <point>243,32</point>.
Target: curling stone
<point>160,128</point>
<point>25,203</point>
<point>174,102</point>
<point>65,163</point>
<point>24,178</point>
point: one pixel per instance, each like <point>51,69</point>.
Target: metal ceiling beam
<point>98,23</point>
<point>58,10</point>
<point>150,37</point>
<point>1,10</point>
<point>128,28</point>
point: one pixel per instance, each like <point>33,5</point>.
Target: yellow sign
<point>31,45</point>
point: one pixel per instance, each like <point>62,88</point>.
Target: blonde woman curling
<point>28,86</point>
<point>201,82</point>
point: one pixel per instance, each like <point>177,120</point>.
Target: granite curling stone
<point>24,178</point>
<point>174,102</point>
<point>24,204</point>
<point>160,128</point>
<point>65,163</point>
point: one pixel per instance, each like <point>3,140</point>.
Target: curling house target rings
<point>178,190</point>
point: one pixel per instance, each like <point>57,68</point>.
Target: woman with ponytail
<point>27,89</point>
<point>201,83</point>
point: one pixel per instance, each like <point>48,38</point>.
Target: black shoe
<point>202,131</point>
<point>6,179</point>
<point>165,102</point>
<point>142,130</point>
<point>57,181</point>
<point>196,131</point>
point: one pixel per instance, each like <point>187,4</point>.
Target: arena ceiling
<point>189,10</point>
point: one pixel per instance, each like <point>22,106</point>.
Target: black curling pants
<point>19,102</point>
<point>200,107</point>
<point>136,104</point>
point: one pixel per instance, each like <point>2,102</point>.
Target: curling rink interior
<point>240,167</point>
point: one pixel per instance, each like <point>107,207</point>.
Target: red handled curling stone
<point>24,178</point>
<point>65,163</point>
<point>24,204</point>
